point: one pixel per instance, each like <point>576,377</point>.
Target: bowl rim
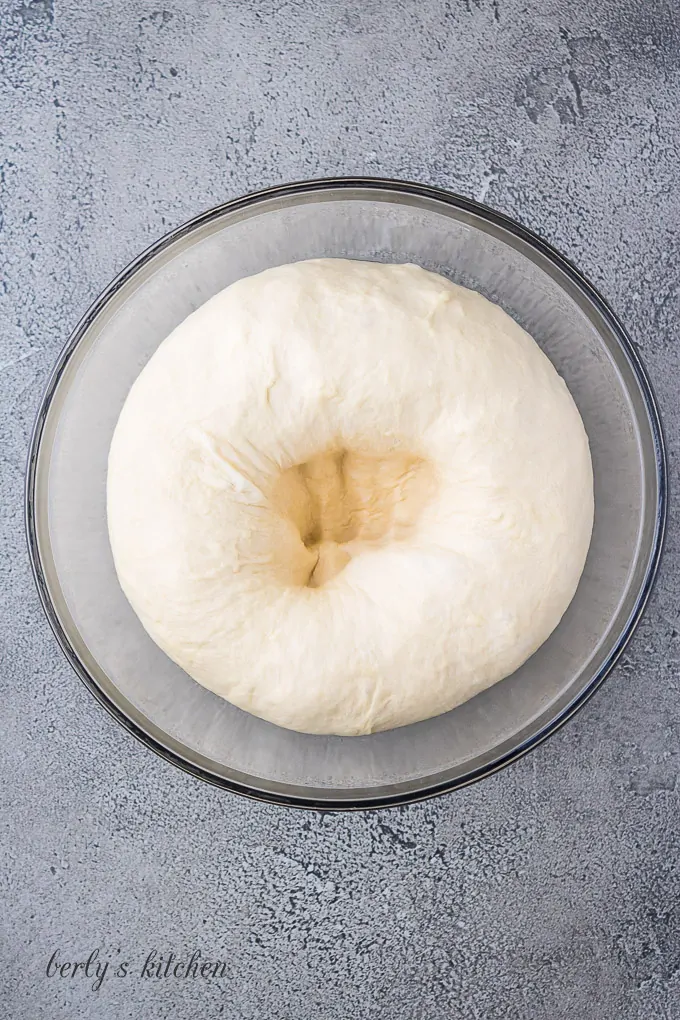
<point>390,795</point>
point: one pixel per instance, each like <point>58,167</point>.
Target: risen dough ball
<point>348,496</point>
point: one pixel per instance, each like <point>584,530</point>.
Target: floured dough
<point>347,496</point>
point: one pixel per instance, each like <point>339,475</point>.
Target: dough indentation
<point>343,500</point>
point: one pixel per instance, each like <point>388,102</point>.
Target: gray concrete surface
<point>548,892</point>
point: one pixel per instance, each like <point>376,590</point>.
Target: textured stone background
<point>547,892</point>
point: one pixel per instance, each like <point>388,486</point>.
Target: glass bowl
<point>360,219</point>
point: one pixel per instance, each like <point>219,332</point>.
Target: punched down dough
<point>347,496</point>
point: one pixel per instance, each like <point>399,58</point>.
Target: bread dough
<point>347,496</point>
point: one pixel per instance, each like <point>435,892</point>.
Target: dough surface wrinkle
<point>348,496</point>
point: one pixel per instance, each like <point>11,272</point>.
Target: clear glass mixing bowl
<point>359,219</point>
